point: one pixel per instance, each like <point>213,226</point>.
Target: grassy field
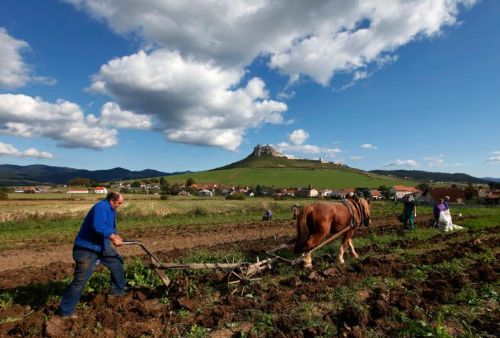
<point>291,177</point>
<point>55,217</point>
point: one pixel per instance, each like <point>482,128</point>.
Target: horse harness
<point>358,207</point>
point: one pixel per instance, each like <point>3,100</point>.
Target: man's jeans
<point>85,262</point>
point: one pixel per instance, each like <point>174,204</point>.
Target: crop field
<point>404,284</point>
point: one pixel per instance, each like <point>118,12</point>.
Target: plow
<point>238,273</point>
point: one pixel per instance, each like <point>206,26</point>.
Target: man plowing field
<point>93,245</point>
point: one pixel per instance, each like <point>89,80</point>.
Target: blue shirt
<point>98,225</point>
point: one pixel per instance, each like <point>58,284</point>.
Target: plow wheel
<point>245,274</point>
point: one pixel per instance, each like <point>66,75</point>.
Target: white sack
<point>446,223</point>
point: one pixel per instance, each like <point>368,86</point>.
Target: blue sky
<point>195,85</point>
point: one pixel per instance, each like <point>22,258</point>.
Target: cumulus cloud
<point>298,136</point>
<point>368,146</point>
<point>402,163</point>
<point>63,121</point>
<point>295,145</point>
<point>14,72</point>
<point>332,36</point>
<point>9,150</point>
<point>190,101</point>
<point>113,116</point>
<point>189,77</point>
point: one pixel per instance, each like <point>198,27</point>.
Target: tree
<point>135,184</point>
<point>190,181</point>
<point>175,189</point>
<point>470,192</point>
<point>424,187</point>
<point>385,191</point>
<point>82,181</point>
<point>4,193</point>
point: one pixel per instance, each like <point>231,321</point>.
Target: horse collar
<point>351,213</point>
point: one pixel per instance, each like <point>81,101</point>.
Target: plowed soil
<point>191,302</point>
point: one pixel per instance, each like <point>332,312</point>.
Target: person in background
<point>409,212</point>
<point>438,208</point>
<point>93,245</point>
<point>447,201</point>
<point>268,215</point>
<point>295,211</point>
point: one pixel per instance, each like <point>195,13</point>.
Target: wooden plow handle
<point>154,261</point>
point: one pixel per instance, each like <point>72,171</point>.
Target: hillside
<point>43,174</point>
<point>269,168</point>
<point>429,176</point>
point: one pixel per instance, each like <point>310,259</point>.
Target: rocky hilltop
<point>267,150</point>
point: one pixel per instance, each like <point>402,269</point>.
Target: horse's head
<point>365,210</point>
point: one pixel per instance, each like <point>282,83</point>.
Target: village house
<point>325,192</point>
<point>308,193</point>
<point>434,195</point>
<point>400,191</point>
<point>100,190</point>
<point>205,193</point>
<point>341,193</point>
<point>376,194</point>
<point>77,191</point>
<point>493,197</point>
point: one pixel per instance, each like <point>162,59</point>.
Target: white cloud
<point>189,78</point>
<point>298,136</point>
<point>14,73</point>
<point>368,146</point>
<point>439,161</point>
<point>356,158</point>
<point>402,163</point>
<point>191,102</point>
<point>22,115</point>
<point>9,150</point>
<point>332,36</point>
<point>295,145</point>
<point>495,156</point>
<point>113,116</point>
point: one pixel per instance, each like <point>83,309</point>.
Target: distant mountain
<point>491,179</point>
<point>39,174</point>
<point>431,176</point>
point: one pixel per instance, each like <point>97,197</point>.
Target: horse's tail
<point>302,230</point>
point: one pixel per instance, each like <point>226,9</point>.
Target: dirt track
<point>42,254</point>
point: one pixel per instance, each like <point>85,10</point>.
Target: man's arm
<point>103,225</point>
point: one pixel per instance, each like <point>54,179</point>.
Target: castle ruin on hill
<point>266,150</point>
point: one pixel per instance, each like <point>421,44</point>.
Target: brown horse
<point>317,220</point>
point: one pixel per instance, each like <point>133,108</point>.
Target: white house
<point>206,193</point>
<point>77,191</point>
<point>326,192</point>
<point>401,191</point>
<point>308,193</point>
<point>100,190</point>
